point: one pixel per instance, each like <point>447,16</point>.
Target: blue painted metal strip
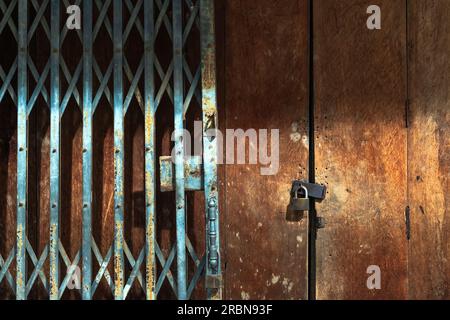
<point>210,122</point>
<point>118,153</point>
<point>150,183</point>
<point>22,151</point>
<point>179,148</point>
<point>54,150</point>
<point>87,151</point>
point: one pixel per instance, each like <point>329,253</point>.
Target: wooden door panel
<point>360,139</point>
<point>429,149</point>
<point>266,88</point>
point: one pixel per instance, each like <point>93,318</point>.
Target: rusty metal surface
<point>266,88</point>
<point>149,142</point>
<point>214,284</point>
<point>22,153</point>
<point>360,138</point>
<point>429,149</point>
<point>110,129</point>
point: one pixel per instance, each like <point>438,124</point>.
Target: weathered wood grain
<point>266,88</point>
<point>429,149</point>
<point>360,78</point>
<point>8,187</point>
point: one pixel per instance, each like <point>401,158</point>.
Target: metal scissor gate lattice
<point>120,83</point>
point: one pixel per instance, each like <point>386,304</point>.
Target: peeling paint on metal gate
<point>118,84</point>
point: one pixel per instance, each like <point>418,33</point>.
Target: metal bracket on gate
<point>193,174</point>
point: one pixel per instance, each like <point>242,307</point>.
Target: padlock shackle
<point>306,191</point>
<point>315,191</point>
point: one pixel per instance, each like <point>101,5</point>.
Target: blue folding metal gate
<point>23,83</point>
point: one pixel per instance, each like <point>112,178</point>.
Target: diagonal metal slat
<point>38,19</point>
<point>132,262</point>
<point>4,269</point>
<point>135,273</point>
<point>68,264</point>
<point>134,18</point>
<point>133,88</point>
<point>165,273</point>
<point>103,88</point>
<point>7,12</point>
<point>38,264</point>
<point>11,24</point>
<point>102,19</point>
<point>103,271</point>
<point>191,251</point>
<point>72,89</point>
<point>197,275</point>
<point>7,82</point>
<point>71,80</point>
<point>39,79</point>
<point>39,89</point>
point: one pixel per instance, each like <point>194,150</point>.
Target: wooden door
<point>266,74</point>
<point>381,122</point>
<point>360,138</point>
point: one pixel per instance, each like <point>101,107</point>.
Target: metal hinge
<point>408,222</point>
<point>407,112</point>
